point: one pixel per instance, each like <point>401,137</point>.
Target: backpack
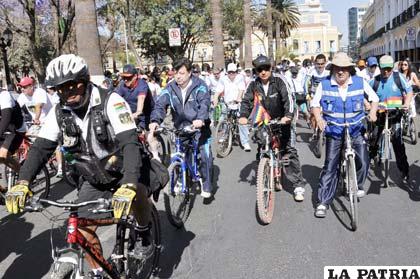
<point>397,80</point>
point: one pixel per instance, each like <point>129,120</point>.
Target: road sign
<point>174,37</point>
<point>411,33</point>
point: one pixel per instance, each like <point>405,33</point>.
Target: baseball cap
<point>386,61</point>
<point>371,61</point>
<point>232,67</point>
<point>25,81</point>
<point>128,70</point>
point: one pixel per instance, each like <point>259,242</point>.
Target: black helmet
<point>261,61</point>
<point>67,67</point>
<point>129,70</point>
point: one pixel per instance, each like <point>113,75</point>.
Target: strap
<point>397,80</point>
<point>376,82</point>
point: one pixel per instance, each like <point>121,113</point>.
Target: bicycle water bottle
<point>67,156</point>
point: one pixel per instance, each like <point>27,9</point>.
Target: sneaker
<point>299,192</point>
<point>406,179</point>
<point>321,211</point>
<point>247,147</point>
<point>205,194</point>
<point>143,249</point>
<point>360,193</point>
<point>59,173</point>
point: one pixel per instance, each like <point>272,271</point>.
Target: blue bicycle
<point>184,173</point>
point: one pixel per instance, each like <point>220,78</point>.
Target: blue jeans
<point>331,169</point>
<point>244,134</point>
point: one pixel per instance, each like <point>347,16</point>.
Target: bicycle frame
<point>188,161</point>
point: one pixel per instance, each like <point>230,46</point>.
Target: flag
<point>259,114</point>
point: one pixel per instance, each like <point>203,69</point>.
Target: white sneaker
<point>247,147</point>
<point>59,173</point>
<point>299,194</point>
<point>205,194</point>
<point>360,193</point>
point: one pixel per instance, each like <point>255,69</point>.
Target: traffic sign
<point>174,36</point>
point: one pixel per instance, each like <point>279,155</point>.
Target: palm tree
<point>247,34</point>
<point>270,30</point>
<point>218,50</point>
<point>286,18</point>
<point>87,35</point>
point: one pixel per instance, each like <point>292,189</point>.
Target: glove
<point>16,198</point>
<point>122,199</point>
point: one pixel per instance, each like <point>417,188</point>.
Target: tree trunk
<point>87,36</point>
<point>278,42</point>
<point>241,53</point>
<point>247,35</point>
<point>270,31</point>
<point>218,50</point>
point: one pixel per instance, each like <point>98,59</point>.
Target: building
<point>315,34</point>
<point>355,17</point>
<point>392,27</point>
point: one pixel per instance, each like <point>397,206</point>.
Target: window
<point>295,45</point>
<point>317,46</point>
<point>305,47</point>
<point>333,47</point>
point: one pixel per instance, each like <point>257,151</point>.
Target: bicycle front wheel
<point>265,192</point>
<point>144,266</point>
<point>351,178</point>
<point>223,139</point>
<point>385,155</point>
<point>412,131</point>
<point>177,202</point>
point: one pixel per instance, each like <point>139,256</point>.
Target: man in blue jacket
<point>189,99</point>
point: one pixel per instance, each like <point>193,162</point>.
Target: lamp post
<point>5,42</point>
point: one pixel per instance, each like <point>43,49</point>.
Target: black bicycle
<point>227,131</point>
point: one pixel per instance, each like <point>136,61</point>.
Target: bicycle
<point>270,168</point>
<point>183,174</point>
<point>347,183</point>
<point>218,110</point>
<point>68,262</point>
<point>408,127</point>
<point>226,132</point>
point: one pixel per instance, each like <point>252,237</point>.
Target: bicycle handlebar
<point>36,204</point>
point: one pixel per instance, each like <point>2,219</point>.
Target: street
<point>222,239</point>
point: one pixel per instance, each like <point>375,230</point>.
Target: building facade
<point>392,27</point>
<point>355,18</point>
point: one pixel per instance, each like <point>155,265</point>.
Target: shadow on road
<point>340,210</point>
<point>311,175</point>
<point>175,241</point>
<point>247,171</point>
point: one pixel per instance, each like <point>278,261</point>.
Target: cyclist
<point>316,75</point>
<point>189,99</point>
<point>233,88</point>
<point>79,126</point>
<point>361,65</point>
<point>277,101</point>
<point>137,94</point>
<point>393,92</point>
<point>12,130</point>
<point>341,97</point>
<point>371,71</point>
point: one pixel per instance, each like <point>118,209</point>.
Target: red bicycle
<point>123,262</point>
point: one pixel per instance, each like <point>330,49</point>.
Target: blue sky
<point>338,10</point>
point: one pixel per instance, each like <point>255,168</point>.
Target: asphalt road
<point>222,239</point>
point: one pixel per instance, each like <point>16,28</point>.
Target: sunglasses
<point>69,88</point>
<point>231,72</point>
<point>404,64</point>
<point>127,77</point>
<point>264,68</point>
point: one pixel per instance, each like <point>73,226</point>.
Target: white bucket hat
<point>342,60</point>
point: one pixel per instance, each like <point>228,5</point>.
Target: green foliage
<point>233,18</point>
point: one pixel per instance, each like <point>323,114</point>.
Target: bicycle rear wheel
<point>265,192</point>
<point>40,186</point>
<point>412,131</point>
<point>352,191</point>
<point>177,203</point>
<point>224,138</point>
<point>143,266</point>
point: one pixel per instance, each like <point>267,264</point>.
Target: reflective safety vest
<point>337,110</point>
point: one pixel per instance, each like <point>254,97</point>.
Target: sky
<point>339,10</point>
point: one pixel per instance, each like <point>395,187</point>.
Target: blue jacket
<point>197,103</point>
<point>335,109</point>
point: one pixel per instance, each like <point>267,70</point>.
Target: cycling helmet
<point>67,67</point>
<point>261,61</point>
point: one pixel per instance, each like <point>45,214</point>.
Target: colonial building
<point>355,18</point>
<point>392,27</point>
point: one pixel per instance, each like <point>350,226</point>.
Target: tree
<point>248,33</point>
<point>87,36</point>
<point>218,49</point>
<point>270,30</point>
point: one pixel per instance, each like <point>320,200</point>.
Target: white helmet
<point>67,67</point>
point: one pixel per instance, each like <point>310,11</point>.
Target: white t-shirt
<point>54,98</point>
<point>40,96</point>
<point>7,101</point>
<point>232,90</point>
<point>118,112</point>
<point>368,76</point>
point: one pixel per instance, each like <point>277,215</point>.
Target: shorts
<point>89,192</point>
<point>12,141</point>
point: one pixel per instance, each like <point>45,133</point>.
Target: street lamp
<point>5,42</point>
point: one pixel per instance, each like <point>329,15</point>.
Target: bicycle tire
<point>37,187</point>
<point>385,159</point>
<point>178,217</point>
<point>352,191</point>
<point>265,193</point>
<point>413,131</point>
<point>223,148</point>
<point>136,268</point>
<point>164,150</point>
<point>62,270</point>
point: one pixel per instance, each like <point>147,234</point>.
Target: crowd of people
<point>99,125</point>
